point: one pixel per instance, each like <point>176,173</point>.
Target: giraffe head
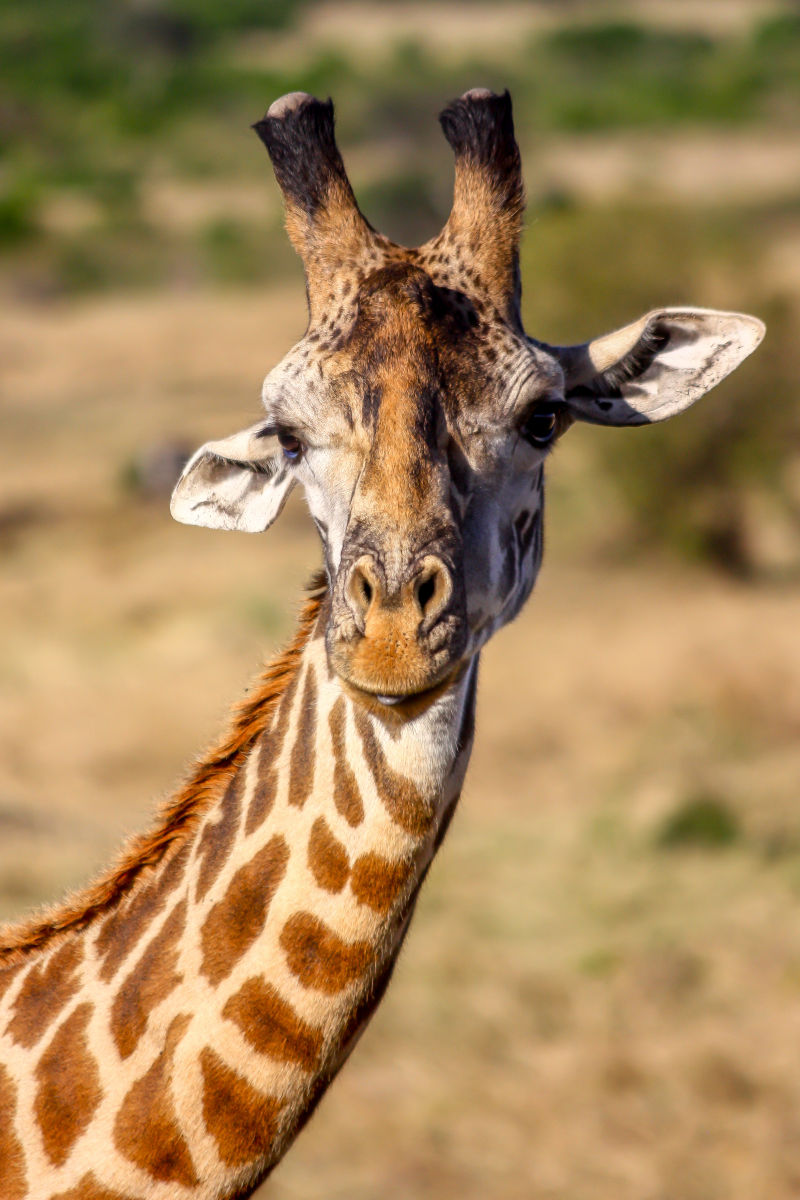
<point>417,414</point>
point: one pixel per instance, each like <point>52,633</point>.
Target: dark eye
<point>292,447</point>
<point>540,426</point>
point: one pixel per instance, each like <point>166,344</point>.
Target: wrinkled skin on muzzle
<point>398,613</point>
<point>416,414</point>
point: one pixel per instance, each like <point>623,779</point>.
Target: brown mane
<point>180,815</point>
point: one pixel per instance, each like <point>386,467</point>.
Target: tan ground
<point>578,1014</point>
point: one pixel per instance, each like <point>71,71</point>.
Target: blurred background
<point>601,995</point>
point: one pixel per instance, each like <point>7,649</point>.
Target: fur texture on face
<point>417,414</point>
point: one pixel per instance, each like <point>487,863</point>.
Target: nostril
<point>425,592</point>
<point>362,591</point>
<point>432,590</point>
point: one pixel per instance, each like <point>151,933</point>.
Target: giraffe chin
<point>403,707</point>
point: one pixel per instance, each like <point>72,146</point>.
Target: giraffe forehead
<point>397,369</point>
<point>406,351</point>
<point>416,335</point>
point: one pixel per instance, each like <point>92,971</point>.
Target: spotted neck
<point>181,1039</point>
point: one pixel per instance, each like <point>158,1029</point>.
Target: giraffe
<point>168,1030</point>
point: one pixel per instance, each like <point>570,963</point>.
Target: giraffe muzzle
<point>397,640</point>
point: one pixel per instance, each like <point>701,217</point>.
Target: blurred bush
<point>101,104</point>
<point>723,488</point>
<point>86,85</point>
<point>701,821</point>
<point>721,485</point>
<point>19,213</point>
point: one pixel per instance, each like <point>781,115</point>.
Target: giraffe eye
<point>540,426</point>
<point>292,447</point>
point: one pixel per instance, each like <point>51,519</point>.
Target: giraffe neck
<point>183,1039</point>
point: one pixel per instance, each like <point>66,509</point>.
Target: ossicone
<point>323,220</point>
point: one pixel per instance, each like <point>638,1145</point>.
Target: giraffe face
<point>416,414</point>
<point>420,469</point>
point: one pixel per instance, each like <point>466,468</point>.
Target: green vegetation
<point>18,214</point>
<point>95,97</point>
<point>617,76</point>
<point>79,78</point>
<point>103,106</point>
<point>705,487</point>
<point>703,821</point>
<point>99,99</point>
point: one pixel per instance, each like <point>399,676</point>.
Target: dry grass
<point>579,1013</point>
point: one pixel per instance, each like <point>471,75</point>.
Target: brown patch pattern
<point>236,921</point>
<point>368,1002</point>
<point>319,957</point>
<point>153,978</point>
<point>272,1026</point>
<point>45,990</point>
<point>301,763</point>
<point>8,975</point>
<point>89,1189</point>
<point>263,797</point>
<point>242,1121</point>
<point>363,1011</point>
<point>69,1086</point>
<point>346,793</point>
<point>146,1130</point>
<point>179,819</point>
<point>285,710</point>
<point>120,932</point>
<point>327,857</point>
<point>271,745</point>
<point>377,882</point>
<point>402,800</point>
<point>217,837</point>
<point>12,1159</point>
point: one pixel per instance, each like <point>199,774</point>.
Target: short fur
<point>179,817</point>
<point>480,129</point>
<point>304,154</point>
<point>185,1037</point>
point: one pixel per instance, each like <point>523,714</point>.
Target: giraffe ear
<point>240,482</point>
<point>656,367</point>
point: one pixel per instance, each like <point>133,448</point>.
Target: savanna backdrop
<point>601,995</point>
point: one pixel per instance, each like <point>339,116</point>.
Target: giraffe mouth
<point>396,668</point>
<point>408,704</point>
